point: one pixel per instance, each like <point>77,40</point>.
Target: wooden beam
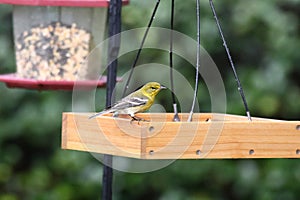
<point>210,135</point>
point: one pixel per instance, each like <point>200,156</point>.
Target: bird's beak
<point>163,87</point>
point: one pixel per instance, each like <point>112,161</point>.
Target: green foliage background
<point>264,39</point>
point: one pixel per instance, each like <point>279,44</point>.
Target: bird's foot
<point>138,119</point>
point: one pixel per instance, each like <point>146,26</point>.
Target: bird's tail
<point>100,113</point>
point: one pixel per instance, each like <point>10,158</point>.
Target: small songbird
<point>139,101</point>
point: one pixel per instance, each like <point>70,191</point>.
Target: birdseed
<point>53,52</point>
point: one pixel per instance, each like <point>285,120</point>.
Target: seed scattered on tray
<point>53,52</point>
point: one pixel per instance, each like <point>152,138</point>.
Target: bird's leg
<point>138,119</point>
<point>115,114</point>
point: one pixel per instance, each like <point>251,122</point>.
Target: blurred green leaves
<point>264,40</point>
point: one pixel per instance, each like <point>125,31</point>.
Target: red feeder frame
<point>12,81</point>
<point>80,3</point>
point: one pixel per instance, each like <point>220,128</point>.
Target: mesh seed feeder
<point>52,40</point>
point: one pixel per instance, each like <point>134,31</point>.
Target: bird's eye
<point>153,88</point>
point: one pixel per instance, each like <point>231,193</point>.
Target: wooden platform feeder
<point>52,41</point>
<point>209,135</point>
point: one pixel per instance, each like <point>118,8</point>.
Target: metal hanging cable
<point>176,117</point>
<point>240,89</point>
<point>140,48</point>
<point>197,62</point>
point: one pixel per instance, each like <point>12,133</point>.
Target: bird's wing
<point>125,103</point>
<point>129,101</point>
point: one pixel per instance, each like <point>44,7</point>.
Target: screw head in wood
<point>151,152</point>
<point>251,151</point>
<point>151,128</point>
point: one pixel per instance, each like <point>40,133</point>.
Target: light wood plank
<point>210,135</point>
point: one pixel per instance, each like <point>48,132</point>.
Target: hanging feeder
<point>52,40</point>
<point>164,136</point>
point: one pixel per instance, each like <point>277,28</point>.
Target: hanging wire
<point>176,117</point>
<point>197,62</point>
<point>240,89</point>
<point>140,48</point>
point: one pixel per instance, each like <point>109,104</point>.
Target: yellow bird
<point>139,101</point>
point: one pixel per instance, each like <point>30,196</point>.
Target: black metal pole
<point>114,27</point>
